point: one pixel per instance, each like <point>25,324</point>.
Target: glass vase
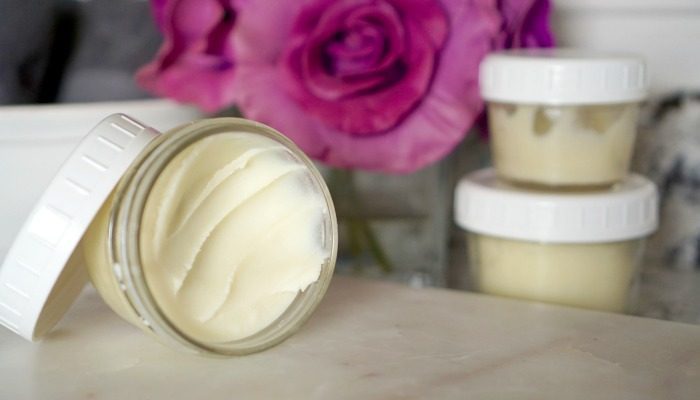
<point>392,226</point>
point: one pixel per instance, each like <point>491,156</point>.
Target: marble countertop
<point>670,294</point>
<point>373,340</point>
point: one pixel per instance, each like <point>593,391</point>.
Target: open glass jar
<point>574,248</point>
<point>217,237</point>
<point>562,117</point>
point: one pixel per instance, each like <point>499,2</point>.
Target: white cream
<point>577,247</point>
<point>598,276</point>
<point>231,233</point>
<point>563,145</point>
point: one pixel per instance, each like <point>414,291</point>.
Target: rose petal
<point>264,28</point>
<point>195,63</point>
<point>308,62</point>
<point>360,50</point>
<point>424,133</point>
<point>380,18</point>
<point>190,20</point>
<point>526,23</point>
<point>359,107</point>
<point>278,111</point>
<point>195,78</point>
<point>158,10</point>
<point>442,119</point>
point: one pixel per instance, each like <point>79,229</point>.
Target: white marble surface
<point>670,294</point>
<point>378,341</point>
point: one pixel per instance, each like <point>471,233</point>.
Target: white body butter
<point>563,146</point>
<point>577,248</point>
<point>562,117</point>
<point>232,238</point>
<point>231,235</point>
<point>217,237</point>
<point>599,276</point>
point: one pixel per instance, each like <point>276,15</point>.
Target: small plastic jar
<point>217,237</point>
<point>561,117</point>
<point>580,249</point>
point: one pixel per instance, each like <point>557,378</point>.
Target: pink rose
<point>386,85</point>
<point>196,62</point>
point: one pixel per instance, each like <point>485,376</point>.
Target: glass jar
<point>576,248</point>
<point>219,236</point>
<point>562,117</point>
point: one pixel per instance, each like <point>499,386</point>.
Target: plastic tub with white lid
<point>562,117</point>
<point>576,248</point>
<point>216,237</point>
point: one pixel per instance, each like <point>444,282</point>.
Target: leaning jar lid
<point>485,205</point>
<point>562,77</point>
<point>39,278</point>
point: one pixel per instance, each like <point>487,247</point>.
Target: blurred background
<point>81,51</point>
<point>73,51</point>
<point>88,50</point>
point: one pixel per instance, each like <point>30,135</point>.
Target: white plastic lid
<point>562,76</point>
<point>40,276</point>
<point>485,205</point>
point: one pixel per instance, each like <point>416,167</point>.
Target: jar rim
<point>125,218</point>
<point>485,204</point>
<point>563,76</point>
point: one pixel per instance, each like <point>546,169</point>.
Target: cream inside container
<point>563,117</point>
<point>575,248</point>
<point>217,237</point>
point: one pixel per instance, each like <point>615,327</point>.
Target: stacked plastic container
<point>559,218</point>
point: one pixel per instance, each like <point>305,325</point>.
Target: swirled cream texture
<point>231,233</point>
